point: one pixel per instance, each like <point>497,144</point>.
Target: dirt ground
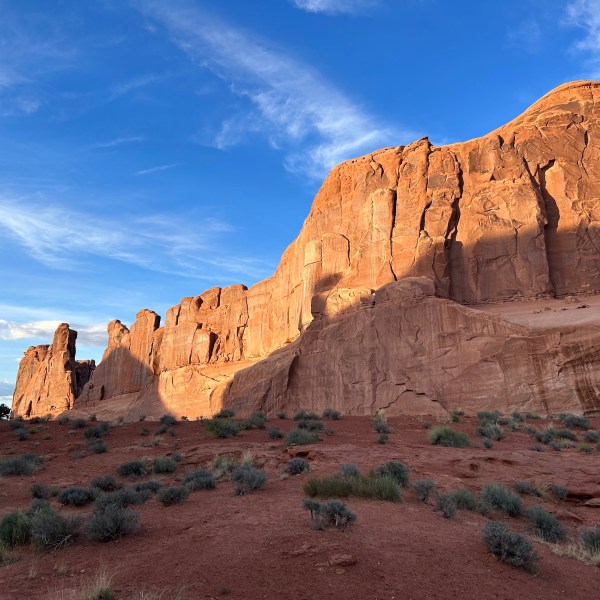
<point>261,545</point>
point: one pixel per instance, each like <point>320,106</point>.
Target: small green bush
<point>15,529</point>
<point>487,443</point>
<point>79,424</point>
<point>565,434</point>
<point>63,420</point>
<point>172,495</point>
<point>123,497</point>
<point>574,421</point>
<point>465,499</point>
<point>545,525</point>
<point>333,513</point>
<point>455,415</point>
<point>592,437</point>
<point>423,488</point>
<point>491,431</point>
<point>275,433</point>
<point>225,413</point>
<point>98,431</point>
<point>98,446</point>
<point>22,434</point>
<point>380,488</point>
<point>488,417</point>
<point>281,415</point>
<point>303,415</point>
<point>526,487</point>
<point>26,464</point>
<point>448,437</point>
<point>40,491</point>
<point>383,438</point>
<point>396,470</point>
<point>76,496</point>
<point>499,496</point>
<point>223,464</point>
<point>163,464</point>
<point>151,486</point>
<point>310,425</point>
<point>106,483</point>
<point>112,522</point>
<point>560,491</point>
<point>446,504</point>
<point>349,470</point>
<point>380,424</point>
<point>536,448</point>
<point>257,419</point>
<point>246,479</point>
<point>301,437</point>
<point>222,428</point>
<point>590,540</point>
<point>199,480</point>
<point>330,413</point>
<point>510,547</point>
<point>134,468</point>
<point>51,531</point>
<point>296,466</point>
<point>168,420</point>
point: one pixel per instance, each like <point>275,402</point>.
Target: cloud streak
<point>585,14</point>
<point>156,169</point>
<point>120,141</point>
<point>87,335</point>
<point>334,7</point>
<point>65,239</point>
<point>314,123</point>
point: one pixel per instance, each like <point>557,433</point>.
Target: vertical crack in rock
<point>451,246</point>
<point>552,214</point>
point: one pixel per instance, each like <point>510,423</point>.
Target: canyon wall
<point>377,303</point>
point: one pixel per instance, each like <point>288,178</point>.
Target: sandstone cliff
<point>378,302</point>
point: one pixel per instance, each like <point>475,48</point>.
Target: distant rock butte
<point>394,296</point>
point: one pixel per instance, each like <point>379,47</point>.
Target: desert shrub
<point>487,443</point>
<point>545,524</point>
<point>544,436</point>
<point>163,464</point>
<point>526,487</point>
<point>423,488</point>
<point>517,417</point>
<point>246,479</point>
<point>446,504</point>
<point>491,431</point>
<point>333,513</point>
<point>537,448</point>
<point>15,424</point>
<point>40,491</point>
<point>199,480</point>
<point>79,424</point>
<point>448,437</point>
<point>112,522</point>
<point>455,415</point>
<point>281,415</point>
<point>106,483</point>
<point>425,425</point>
<point>123,497</point>
<point>380,488</point>
<point>98,431</point>
<point>25,464</point>
<point>76,496</point>
<point>555,446</point>
<point>396,470</point>
<point>223,464</point>
<point>151,486</point>
<point>310,424</point>
<point>63,420</point>
<point>303,415</point>
<point>144,431</point>
<point>574,421</point>
<point>509,547</point>
<point>225,413</point>
<point>301,437</point>
<point>592,437</point>
<point>257,419</point>
<point>330,413</point>
<point>488,417</point>
<point>93,417</point>
<point>222,428</point>
<point>22,434</point>
<point>582,447</point>
<point>98,446</point>
<point>296,466</point>
<point>499,496</point>
<point>560,491</point>
<point>51,531</point>
<point>383,438</point>
<point>464,499</point>
<point>15,529</point>
<point>380,424</point>
<point>134,468</point>
<point>7,557</point>
<point>168,420</point>
<point>565,434</point>
<point>174,494</point>
<point>349,470</point>
<point>275,433</point>
<point>590,540</point>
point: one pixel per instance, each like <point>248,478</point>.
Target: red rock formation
<point>369,305</point>
<point>49,377</point>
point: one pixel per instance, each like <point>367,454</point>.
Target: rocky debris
<point>369,306</point>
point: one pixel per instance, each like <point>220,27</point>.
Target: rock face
<point>49,377</point>
<point>377,303</point>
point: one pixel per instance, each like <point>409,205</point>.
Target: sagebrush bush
<point>134,468</point>
<point>488,417</point>
<point>168,420</point>
<point>487,443</point>
<point>275,433</point>
<point>151,486</point>
<point>301,437</point>
<point>545,525</point>
<point>79,424</point>
<point>22,434</point>
<point>333,513</point>
<point>593,437</point>
<point>491,431</point>
<point>296,466</point>
<point>107,483</point>
<point>63,420</point>
<point>510,547</point>
<point>310,424</point>
<point>40,491</point>
<point>112,522</point>
<point>380,488</point>
<point>225,413</point>
<point>330,413</point>
<point>446,504</point>
<point>223,464</point>
<point>15,529</point>
<point>15,424</point>
<point>174,494</point>
<point>98,431</point>
<point>51,531</point>
<point>199,480</point>
<point>383,438</point>
<point>536,448</point>
<point>281,415</point>
<point>396,470</point>
<point>349,470</point>
<point>565,434</point>
<point>76,496</point>
<point>246,479</point>
<point>499,496</point>
<point>465,499</point>
<point>526,487</point>
<point>303,415</point>
<point>560,491</point>
<point>257,419</point>
<point>26,464</point>
<point>380,424</point>
<point>574,421</point>
<point>163,464</point>
<point>448,437</point>
<point>590,540</point>
<point>222,428</point>
<point>123,497</point>
<point>423,488</point>
<point>98,446</point>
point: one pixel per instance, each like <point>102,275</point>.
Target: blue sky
<point>153,149</point>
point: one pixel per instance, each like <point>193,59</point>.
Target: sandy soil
<point>262,545</point>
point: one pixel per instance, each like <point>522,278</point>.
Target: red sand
<point>262,546</point>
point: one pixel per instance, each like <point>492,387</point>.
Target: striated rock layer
<point>378,302</point>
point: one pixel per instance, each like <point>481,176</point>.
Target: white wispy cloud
<point>334,7</point>
<point>293,106</point>
<point>6,389</point>
<point>136,83</point>
<point>585,14</point>
<point>120,141</point>
<point>155,169</point>
<point>87,335</point>
<point>182,245</point>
